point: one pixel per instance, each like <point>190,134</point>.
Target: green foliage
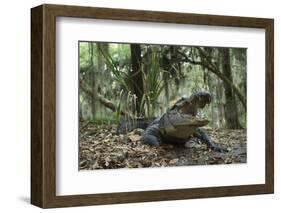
<point>83,54</point>
<point>120,75</point>
<point>161,83</point>
<point>153,84</point>
<point>121,54</point>
<point>243,119</point>
<point>107,120</point>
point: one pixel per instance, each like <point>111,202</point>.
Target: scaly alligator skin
<point>178,124</point>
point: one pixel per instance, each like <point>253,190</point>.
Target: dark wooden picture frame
<point>43,105</point>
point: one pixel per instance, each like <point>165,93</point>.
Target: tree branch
<point>107,103</point>
<point>217,72</point>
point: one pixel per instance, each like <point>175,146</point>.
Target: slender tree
<point>101,74</point>
<point>135,75</point>
<point>231,111</point>
<point>92,79</point>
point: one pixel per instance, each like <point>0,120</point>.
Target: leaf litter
<point>101,148</point>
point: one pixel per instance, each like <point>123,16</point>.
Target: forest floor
<point>101,148</point>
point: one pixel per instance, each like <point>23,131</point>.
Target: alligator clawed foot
<point>151,140</point>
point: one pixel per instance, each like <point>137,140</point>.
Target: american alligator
<point>177,125</point>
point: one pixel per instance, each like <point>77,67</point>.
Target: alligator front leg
<point>151,135</point>
<point>202,135</point>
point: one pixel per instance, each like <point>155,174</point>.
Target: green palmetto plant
<point>153,84</point>
<point>123,78</point>
<point>120,76</point>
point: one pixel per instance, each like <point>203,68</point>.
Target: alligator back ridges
<point>128,124</point>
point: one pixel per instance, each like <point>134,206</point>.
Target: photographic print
<point>110,97</point>
<point>150,105</point>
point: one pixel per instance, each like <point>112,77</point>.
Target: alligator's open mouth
<point>195,102</point>
<point>189,110</point>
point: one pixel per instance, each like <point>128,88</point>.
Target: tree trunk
<point>136,76</point>
<point>92,80</point>
<point>219,95</point>
<point>208,80</point>
<point>231,111</point>
<point>102,75</point>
